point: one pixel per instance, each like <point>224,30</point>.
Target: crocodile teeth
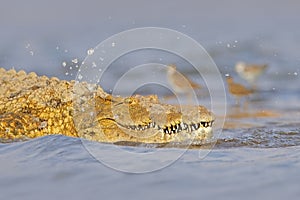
<point>179,128</point>
<point>166,130</point>
<point>195,126</point>
<point>173,128</point>
<point>152,124</point>
<point>203,124</point>
<point>192,127</point>
<point>184,126</point>
<point>132,127</point>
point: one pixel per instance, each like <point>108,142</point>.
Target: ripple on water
<point>266,137</point>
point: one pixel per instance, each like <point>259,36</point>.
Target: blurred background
<point>52,37</point>
<point>41,35</point>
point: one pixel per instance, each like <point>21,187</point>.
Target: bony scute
<point>45,106</point>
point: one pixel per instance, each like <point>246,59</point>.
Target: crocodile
<point>33,106</point>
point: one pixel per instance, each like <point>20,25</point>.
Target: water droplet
<point>91,88</point>
<point>27,45</point>
<point>295,73</point>
<point>94,65</point>
<point>31,53</point>
<point>228,45</point>
<point>101,58</point>
<point>64,64</point>
<point>113,44</point>
<point>79,76</point>
<point>90,51</point>
<point>75,61</point>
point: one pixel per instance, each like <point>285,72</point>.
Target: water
<point>255,157</point>
<point>59,167</point>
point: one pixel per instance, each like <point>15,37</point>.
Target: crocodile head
<point>144,119</point>
<point>32,106</point>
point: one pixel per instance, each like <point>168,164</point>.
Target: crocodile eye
<point>128,100</point>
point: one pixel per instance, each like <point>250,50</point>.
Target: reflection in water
<point>258,128</point>
<point>265,137</point>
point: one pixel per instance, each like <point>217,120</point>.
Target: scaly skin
<point>32,106</point>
